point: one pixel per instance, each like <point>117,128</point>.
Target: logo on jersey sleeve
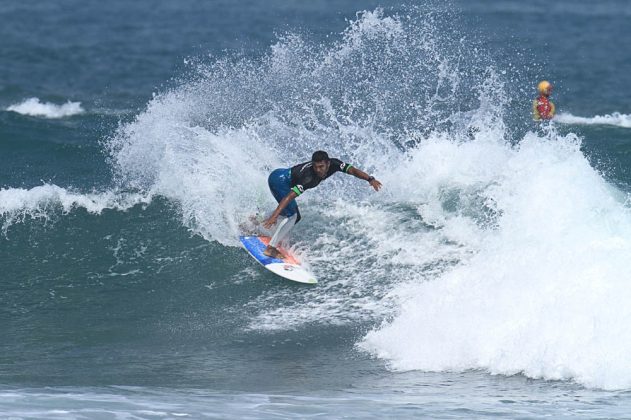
<point>342,166</point>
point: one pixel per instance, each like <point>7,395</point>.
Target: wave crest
<point>35,108</point>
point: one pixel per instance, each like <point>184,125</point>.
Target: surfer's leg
<point>279,182</point>
<point>283,229</point>
<point>280,234</point>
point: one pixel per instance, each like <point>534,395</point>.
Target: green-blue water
<point>488,278</point>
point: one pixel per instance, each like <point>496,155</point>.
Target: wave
<point>42,202</point>
<point>616,119</point>
<point>35,108</point>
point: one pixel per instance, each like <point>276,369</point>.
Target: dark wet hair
<point>319,156</point>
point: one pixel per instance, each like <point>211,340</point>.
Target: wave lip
<point>616,119</point>
<point>35,108</point>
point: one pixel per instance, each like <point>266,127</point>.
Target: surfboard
<point>289,267</point>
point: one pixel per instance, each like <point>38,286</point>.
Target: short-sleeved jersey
<point>303,177</point>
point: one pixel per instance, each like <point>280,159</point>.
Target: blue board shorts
<point>279,182</point>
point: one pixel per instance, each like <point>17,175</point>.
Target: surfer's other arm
<point>358,173</point>
<point>281,206</point>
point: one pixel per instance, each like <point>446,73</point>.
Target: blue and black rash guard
<point>303,177</point>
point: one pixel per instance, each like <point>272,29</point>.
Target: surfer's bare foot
<point>272,252</point>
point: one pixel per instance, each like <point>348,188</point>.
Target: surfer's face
<point>321,168</point>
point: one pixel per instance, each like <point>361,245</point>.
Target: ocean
<point>488,278</point>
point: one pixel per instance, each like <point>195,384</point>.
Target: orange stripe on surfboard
<point>289,259</point>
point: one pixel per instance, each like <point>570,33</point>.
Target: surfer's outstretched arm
<point>281,206</point>
<point>358,173</point>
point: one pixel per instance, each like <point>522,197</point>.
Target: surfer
<point>542,107</point>
<point>288,183</point>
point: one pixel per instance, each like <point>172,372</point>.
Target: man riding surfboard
<point>288,183</point>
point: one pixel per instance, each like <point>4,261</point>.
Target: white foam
<point>34,107</point>
<point>217,179</point>
<point>616,119</point>
<point>546,291</point>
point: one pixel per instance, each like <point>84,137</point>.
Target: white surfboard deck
<point>289,267</point>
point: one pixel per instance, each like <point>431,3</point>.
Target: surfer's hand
<point>270,222</point>
<point>375,184</point>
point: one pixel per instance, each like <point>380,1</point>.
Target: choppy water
<point>489,277</point>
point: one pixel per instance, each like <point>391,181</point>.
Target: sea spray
<point>209,143</point>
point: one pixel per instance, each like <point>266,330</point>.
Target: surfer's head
<point>321,162</point>
<point>544,87</point>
